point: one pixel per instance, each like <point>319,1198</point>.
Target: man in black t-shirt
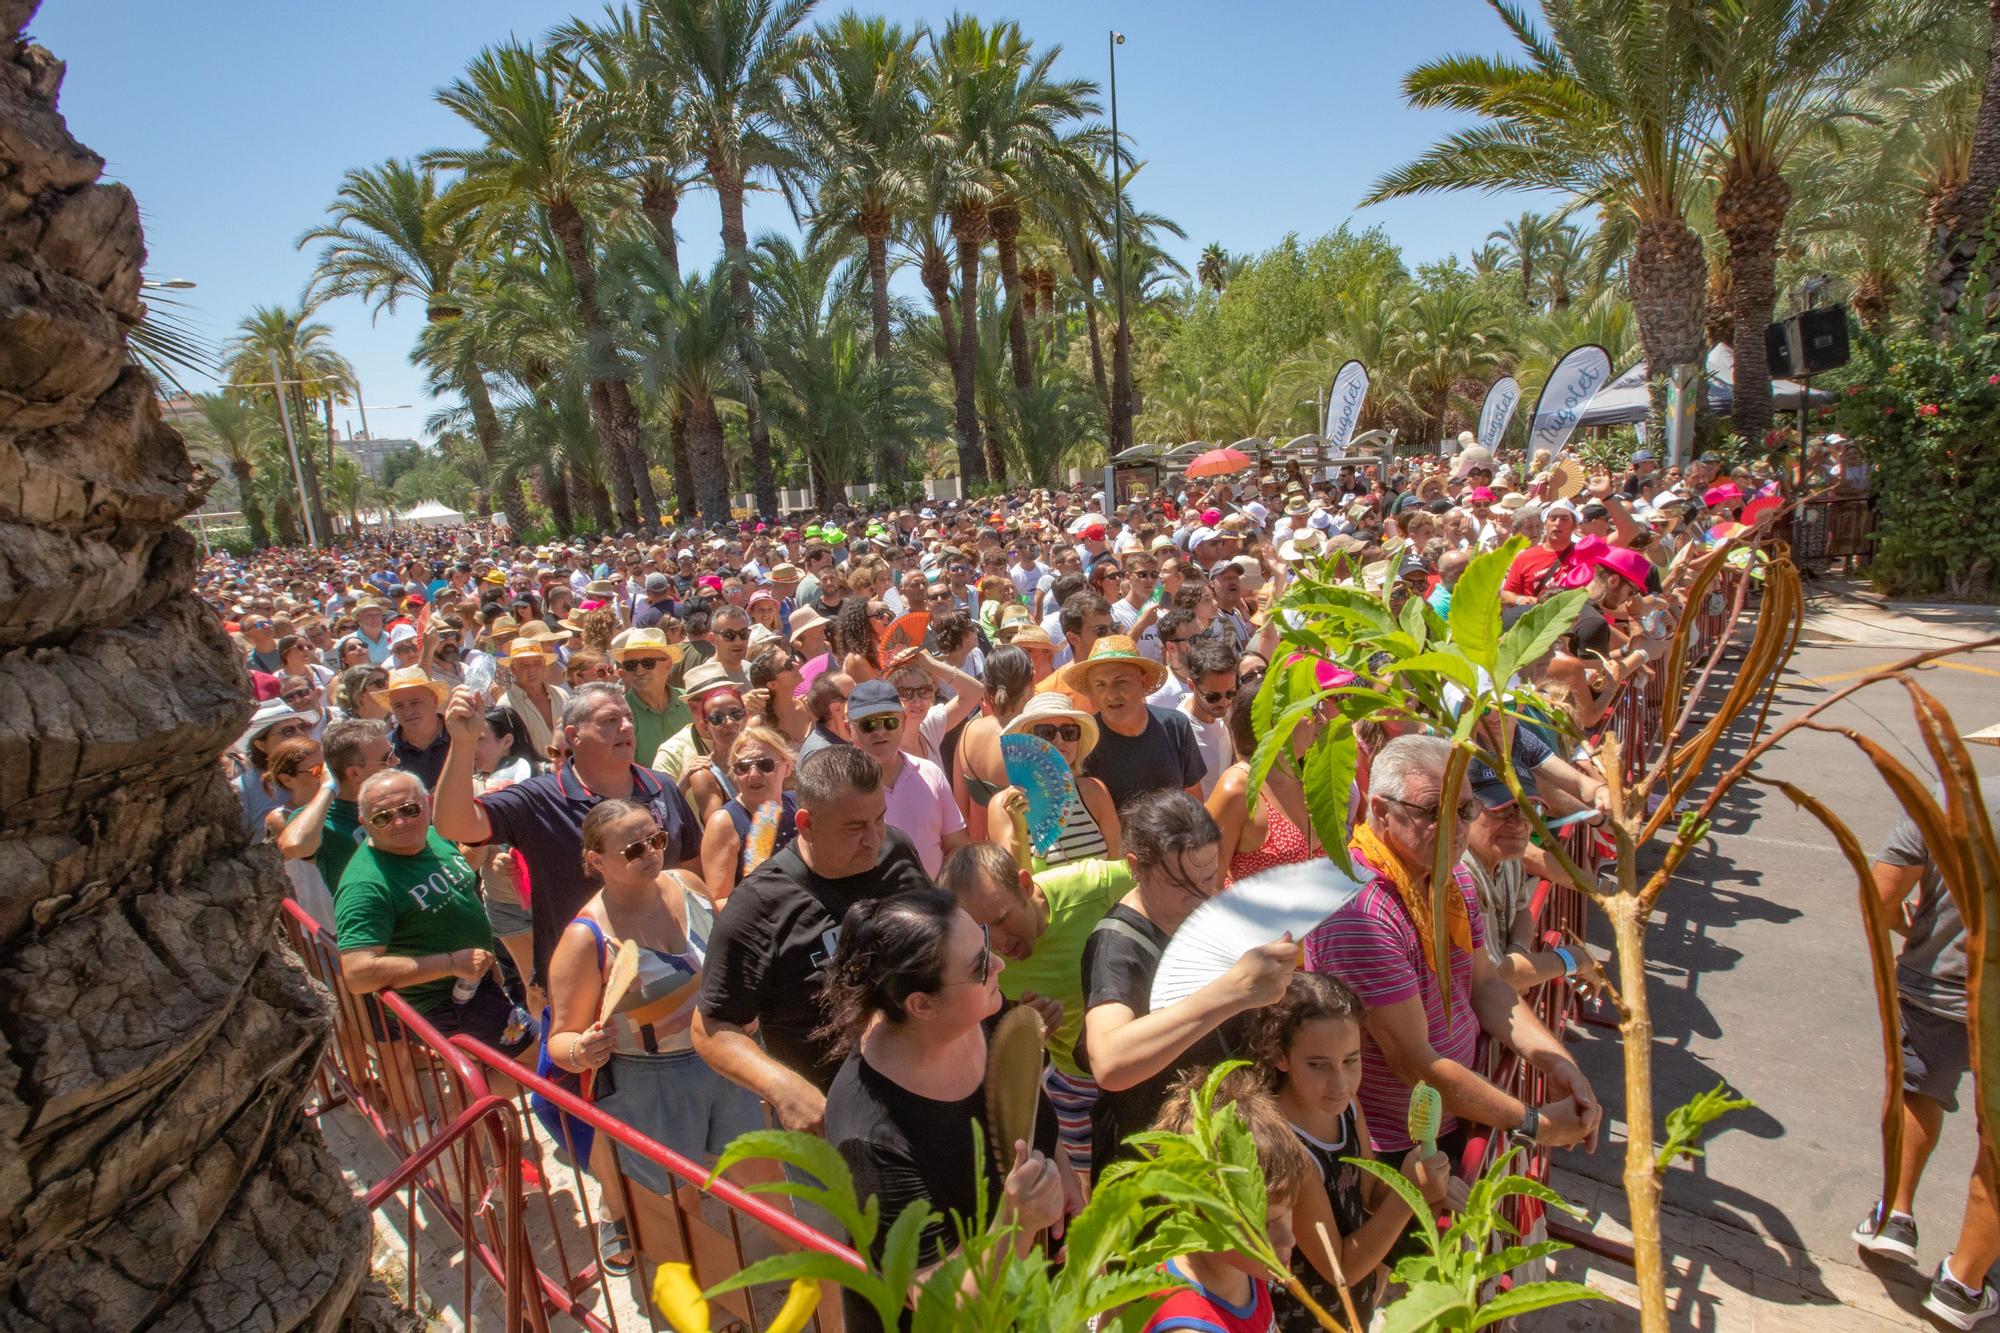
<point>777,933</point>
<point>1139,748</point>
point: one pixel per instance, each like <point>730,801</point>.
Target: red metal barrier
<point>663,1226</point>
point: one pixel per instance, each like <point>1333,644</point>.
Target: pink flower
<point>1928,410</point>
<point>1854,389</point>
<point>1993,379</point>
<point>1888,411</point>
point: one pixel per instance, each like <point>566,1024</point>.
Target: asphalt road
<point>1758,976</point>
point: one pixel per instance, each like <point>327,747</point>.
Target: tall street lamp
<point>1121,386</point>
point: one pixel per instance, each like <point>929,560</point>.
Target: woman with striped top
<point>1090,823</point>
<point>641,1063</point>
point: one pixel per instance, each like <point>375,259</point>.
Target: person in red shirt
<point>1534,572</point>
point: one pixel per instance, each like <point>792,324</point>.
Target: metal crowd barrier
<point>455,1115</point>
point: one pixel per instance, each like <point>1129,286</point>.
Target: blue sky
<point>233,121</point>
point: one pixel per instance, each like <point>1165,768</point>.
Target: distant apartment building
<point>370,452</point>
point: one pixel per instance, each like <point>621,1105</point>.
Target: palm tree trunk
<point>253,513</point>
<point>1527,281</point>
<point>1669,282</point>
<point>659,200</point>
<point>158,1169</point>
<point>567,224</point>
<point>309,465</point>
<point>626,413</point>
<point>597,500</point>
<point>687,503</point>
<point>1006,222</point>
<point>1750,209</point>
<point>972,462</point>
<point>875,231</point>
<point>1962,224</point>
<point>704,427</point>
<point>939,287</point>
<point>557,494</point>
<point>822,485</point>
<point>486,425</point>
<point>736,244</point>
<point>1096,353</point>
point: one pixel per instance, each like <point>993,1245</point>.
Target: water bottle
<point>464,989</point>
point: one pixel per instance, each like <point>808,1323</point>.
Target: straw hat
<point>1511,501</point>
<point>1112,650</point>
<point>600,588</point>
<point>706,679</point>
<point>1302,546</point>
<point>411,678</point>
<point>1055,707</point>
<point>503,626</point>
<point>522,649</point>
<point>1024,634</point>
<point>805,618</point>
<point>642,640</point>
<point>539,632</point>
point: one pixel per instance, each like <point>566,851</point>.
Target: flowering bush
<point>1928,416</point>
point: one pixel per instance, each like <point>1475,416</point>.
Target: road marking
<point>1967,666</point>
<point>1804,682</point>
<point>1776,842</point>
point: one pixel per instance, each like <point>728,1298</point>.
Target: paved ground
<point>1759,979</point>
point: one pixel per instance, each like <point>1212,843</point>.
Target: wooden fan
<point>1014,1080</point>
<point>623,971</point>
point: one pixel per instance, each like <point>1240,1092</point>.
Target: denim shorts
<point>677,1101</point>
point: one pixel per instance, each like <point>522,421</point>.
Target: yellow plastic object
<point>678,1297</point>
<point>799,1305</point>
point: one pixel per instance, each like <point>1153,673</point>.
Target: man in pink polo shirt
<point>920,802</point>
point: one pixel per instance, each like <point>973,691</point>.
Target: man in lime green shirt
<point>1039,924</point>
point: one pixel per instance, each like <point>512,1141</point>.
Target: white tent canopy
<point>1623,402</point>
<point>431,514</point>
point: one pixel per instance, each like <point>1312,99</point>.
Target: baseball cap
<point>872,698</point>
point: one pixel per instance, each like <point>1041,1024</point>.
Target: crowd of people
<point>769,758</point>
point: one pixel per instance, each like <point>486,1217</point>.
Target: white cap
<point>1256,510</point>
<point>1321,519</point>
<point>401,634</point>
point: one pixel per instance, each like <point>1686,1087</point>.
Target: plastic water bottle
<point>464,989</point>
<point>479,676</point>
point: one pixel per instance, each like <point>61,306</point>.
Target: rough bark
<point>736,244</point>
<point>875,232</point>
<point>155,1041</point>
<point>1669,281</point>
<point>626,414</point>
<point>618,451</point>
<point>659,200</point>
<point>686,502</point>
<point>1750,209</point>
<point>557,494</point>
<point>1006,221</point>
<point>486,426</point>
<point>974,464</point>
<point>1961,226</point>
<point>711,480</point>
<point>253,513</point>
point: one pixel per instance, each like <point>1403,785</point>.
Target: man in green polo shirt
<point>408,917</point>
<point>645,661</point>
<point>327,829</point>
<point>1039,924</point>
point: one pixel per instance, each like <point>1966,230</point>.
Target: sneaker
<point>1896,1237</point>
<point>1959,1305</point>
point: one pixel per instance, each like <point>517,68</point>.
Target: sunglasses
<point>726,716</point>
<point>1428,814</point>
<point>885,615</point>
<point>917,694</point>
<point>640,663</point>
<point>886,722</point>
<point>761,764</point>
<point>654,841</point>
<point>290,695</point>
<point>732,635</point>
<point>1214,697</point>
<point>1067,732</point>
<point>384,818</point>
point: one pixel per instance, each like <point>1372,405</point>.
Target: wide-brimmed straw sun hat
<point>1111,650</point>
<point>411,678</point>
<point>1055,707</point>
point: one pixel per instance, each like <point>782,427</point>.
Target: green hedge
<point>1928,416</point>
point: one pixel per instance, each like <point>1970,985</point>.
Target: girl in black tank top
<point>1309,1045</point>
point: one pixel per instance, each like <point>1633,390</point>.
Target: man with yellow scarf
<point>1380,945</point>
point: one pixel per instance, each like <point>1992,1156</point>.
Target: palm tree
<point>1488,258</point>
<point>733,60</point>
<point>234,429</point>
<point>1774,72</point>
<point>1247,400</point>
<point>1049,421</point>
<point>1213,269</point>
<point>393,238</point>
<point>539,156</point>
<point>307,368</point>
<point>857,116</point>
<point>1522,242</point>
<point>1606,108</point>
<point>1961,222</point>
<point>1450,335</point>
<point>688,342</point>
<point>1565,266</point>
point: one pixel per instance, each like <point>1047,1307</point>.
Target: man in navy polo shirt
<point>542,818</point>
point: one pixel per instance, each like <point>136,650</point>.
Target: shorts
<point>1936,1054</point>
<point>504,910</point>
<point>677,1101</point>
<point>483,1018</point>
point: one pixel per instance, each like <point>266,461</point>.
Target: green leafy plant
<point>1686,1124</point>
<point>1446,1282</point>
<point>1195,1192</point>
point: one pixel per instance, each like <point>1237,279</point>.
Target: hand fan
<point>1250,912</point>
<point>762,839</point>
<point>1013,1080</point>
<point>1565,480</point>
<point>905,634</point>
<point>1038,769</point>
<point>618,979</point>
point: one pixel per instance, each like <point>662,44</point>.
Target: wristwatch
<point>1524,1133</point>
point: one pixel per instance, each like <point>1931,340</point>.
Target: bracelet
<point>1568,960</point>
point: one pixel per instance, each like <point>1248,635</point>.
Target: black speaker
<point>1811,342</point>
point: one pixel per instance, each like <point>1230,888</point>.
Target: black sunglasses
<point>1068,732</point>
<point>384,818</point>
<point>732,635</point>
<point>1214,697</point>
<point>290,695</point>
<point>640,663</point>
<point>727,715</point>
<point>656,841</point>
<point>885,722</point>
<point>761,764</point>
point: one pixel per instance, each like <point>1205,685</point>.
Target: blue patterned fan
<point>1036,768</point>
